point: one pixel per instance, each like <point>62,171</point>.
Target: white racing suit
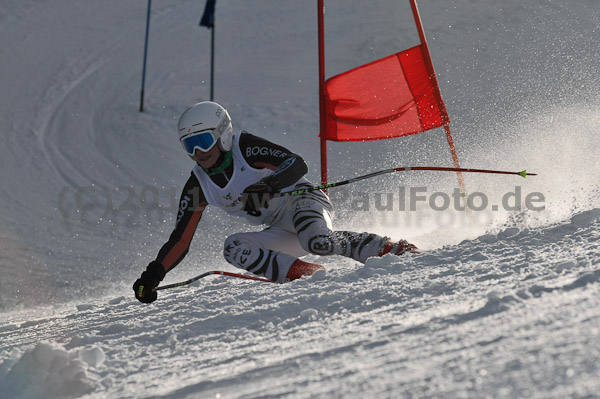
<point>305,227</point>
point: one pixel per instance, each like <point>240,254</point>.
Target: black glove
<point>257,195</point>
<point>145,285</point>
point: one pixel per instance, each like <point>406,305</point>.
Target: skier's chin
<point>204,160</point>
<point>206,163</point>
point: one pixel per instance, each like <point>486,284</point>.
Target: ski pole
<point>181,284</point>
<point>523,174</point>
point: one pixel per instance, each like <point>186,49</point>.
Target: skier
<point>239,173</point>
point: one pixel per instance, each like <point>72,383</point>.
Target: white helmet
<point>203,125</point>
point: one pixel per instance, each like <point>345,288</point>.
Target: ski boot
<point>397,248</point>
<point>300,268</point>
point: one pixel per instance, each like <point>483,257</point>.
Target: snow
<point>49,370</point>
<point>500,304</point>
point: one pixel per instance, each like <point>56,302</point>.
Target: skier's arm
<point>191,206</point>
<point>287,167</point>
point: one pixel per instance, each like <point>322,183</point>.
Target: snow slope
<point>507,315</point>
<point>500,305</point>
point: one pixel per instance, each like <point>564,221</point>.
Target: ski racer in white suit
<point>240,173</point>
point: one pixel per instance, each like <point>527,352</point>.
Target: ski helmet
<point>203,125</point>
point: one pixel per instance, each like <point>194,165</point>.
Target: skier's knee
<point>232,247</point>
<point>319,244</point>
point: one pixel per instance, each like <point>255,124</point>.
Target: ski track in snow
<point>505,309</point>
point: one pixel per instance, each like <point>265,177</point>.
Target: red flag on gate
<point>391,97</point>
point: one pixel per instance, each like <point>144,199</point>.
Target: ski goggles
<point>203,141</point>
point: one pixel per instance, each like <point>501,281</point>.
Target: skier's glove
<point>257,195</point>
<point>145,285</point>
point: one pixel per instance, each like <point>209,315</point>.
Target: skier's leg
<point>312,217</point>
<point>271,253</point>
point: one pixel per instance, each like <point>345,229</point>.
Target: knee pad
<point>234,248</point>
<point>319,244</point>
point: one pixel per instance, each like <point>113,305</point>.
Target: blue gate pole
<point>212,62</point>
<point>145,56</point>
<point>208,21</point>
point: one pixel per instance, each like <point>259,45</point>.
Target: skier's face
<point>207,159</point>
